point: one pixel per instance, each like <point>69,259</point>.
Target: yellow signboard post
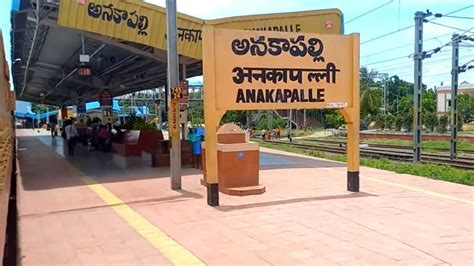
<point>174,111</point>
<point>251,70</point>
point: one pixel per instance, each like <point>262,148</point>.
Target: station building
<point>443,96</point>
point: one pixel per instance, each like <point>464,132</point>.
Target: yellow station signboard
<point>328,21</point>
<point>146,24</point>
<point>131,21</point>
<point>264,70</point>
<point>274,70</point>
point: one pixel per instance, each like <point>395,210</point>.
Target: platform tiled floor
<point>305,217</point>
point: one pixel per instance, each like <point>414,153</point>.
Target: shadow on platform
<point>44,166</point>
<point>280,161</point>
<point>296,200</point>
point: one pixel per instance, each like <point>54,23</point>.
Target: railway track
<point>384,152</point>
<point>391,146</point>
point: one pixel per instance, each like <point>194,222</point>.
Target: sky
<point>390,54</point>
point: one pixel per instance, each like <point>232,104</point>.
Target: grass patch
<point>466,132</point>
<point>426,144</point>
<point>434,171</point>
<point>300,132</point>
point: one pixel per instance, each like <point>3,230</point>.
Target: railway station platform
<point>99,209</point>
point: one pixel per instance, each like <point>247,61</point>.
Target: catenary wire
<point>447,26</point>
<point>368,12</point>
<point>411,26</point>
<point>410,44</point>
<point>458,17</point>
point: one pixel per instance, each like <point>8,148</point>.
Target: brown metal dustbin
<point>238,162</point>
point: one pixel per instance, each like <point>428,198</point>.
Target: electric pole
<point>290,116</point>
<point>418,57</point>
<point>454,95</point>
<point>385,93</point>
<point>173,71</point>
<point>247,119</point>
<point>304,120</point>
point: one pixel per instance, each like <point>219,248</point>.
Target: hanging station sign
<point>132,21</point>
<point>184,97</point>
<point>105,98</point>
<point>145,23</point>
<point>174,112</point>
<point>81,108</point>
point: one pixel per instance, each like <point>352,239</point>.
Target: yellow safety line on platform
<point>427,192</point>
<point>431,193</point>
<point>176,253</point>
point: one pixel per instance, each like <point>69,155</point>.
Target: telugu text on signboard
<point>143,23</point>
<point>273,70</point>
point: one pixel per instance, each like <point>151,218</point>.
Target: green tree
<point>238,117</point>
<point>405,106</point>
<point>430,121</point>
<point>389,120</point>
<point>398,88</point>
<point>443,123</point>
<point>333,119</point>
<point>460,122</point>
<point>370,95</point>
<point>466,107</point>
<point>428,102</point>
<point>277,122</point>
<point>428,109</point>
<point>398,122</point>
<point>370,102</point>
<point>380,121</point>
<point>196,116</point>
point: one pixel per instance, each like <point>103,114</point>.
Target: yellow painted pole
<point>353,123</point>
<point>211,117</point>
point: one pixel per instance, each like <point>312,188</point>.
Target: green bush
<point>333,120</point>
<point>398,122</point>
<point>460,122</point>
<point>277,122</point>
<point>237,117</point>
<point>196,116</point>
<point>384,121</point>
<point>443,123</point>
<point>137,123</point>
<point>389,120</point>
<point>434,171</point>
<point>430,121</point>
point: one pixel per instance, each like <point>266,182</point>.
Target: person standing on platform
<point>71,136</point>
<point>104,138</point>
<point>54,129</point>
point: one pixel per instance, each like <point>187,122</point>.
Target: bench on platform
<point>134,141</point>
<point>161,157</point>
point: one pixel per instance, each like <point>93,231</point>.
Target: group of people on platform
<point>100,137</point>
<point>97,137</point>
